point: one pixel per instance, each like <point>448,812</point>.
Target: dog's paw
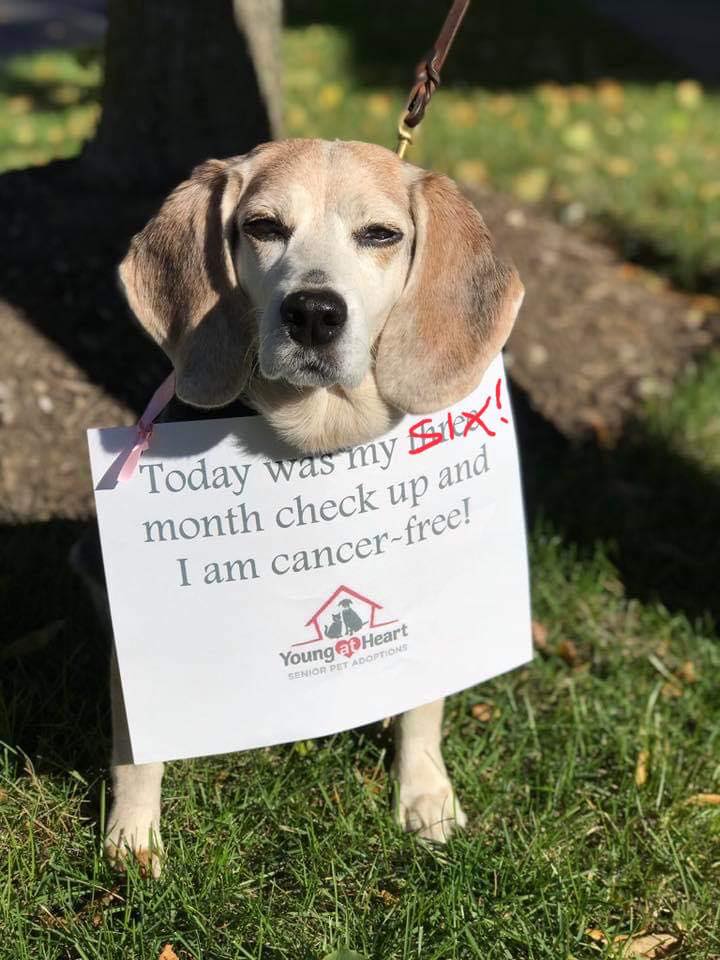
<point>134,833</point>
<point>429,810</point>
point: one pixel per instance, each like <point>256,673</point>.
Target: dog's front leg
<point>427,804</point>
<point>133,826</point>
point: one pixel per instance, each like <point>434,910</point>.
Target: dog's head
<point>315,262</point>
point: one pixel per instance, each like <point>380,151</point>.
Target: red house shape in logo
<point>342,595</point>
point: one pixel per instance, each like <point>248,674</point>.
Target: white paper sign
<point>257,599</point>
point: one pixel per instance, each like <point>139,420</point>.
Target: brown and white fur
<point>397,304</point>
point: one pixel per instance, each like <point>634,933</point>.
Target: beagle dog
<point>331,287</point>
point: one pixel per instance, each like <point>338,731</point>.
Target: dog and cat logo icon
<point>343,615</point>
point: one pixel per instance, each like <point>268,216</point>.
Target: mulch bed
<point>596,336</point>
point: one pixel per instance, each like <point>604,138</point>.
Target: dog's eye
<point>266,228</point>
<point>378,235</point>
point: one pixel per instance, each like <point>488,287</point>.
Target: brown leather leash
<point>427,76</point>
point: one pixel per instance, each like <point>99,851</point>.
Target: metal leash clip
<point>427,76</point>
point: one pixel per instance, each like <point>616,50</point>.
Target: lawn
<point>591,778</point>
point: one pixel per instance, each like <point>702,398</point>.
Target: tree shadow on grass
<point>657,511</point>
<point>54,655</point>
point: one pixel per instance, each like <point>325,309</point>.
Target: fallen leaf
<point>336,798</point>
<point>629,270</point>
<point>55,134</point>
<point>614,586</point>
<point>557,115</point>
<point>641,768</point>
<point>24,134</point>
<point>45,69</point>
<point>167,953</point>
<point>374,781</point>
<point>687,672</point>
<point>296,117</point>
<point>705,799</point>
<point>553,94</point>
<point>471,171</point>
<point>331,95</point>
<point>379,105</point>
<point>599,425</point>
<point>611,95</point>
<point>665,155</point>
<point>539,635</point>
<point>618,166</point>
<point>706,303</point>
<point>501,104</point>
<point>66,94</point>
<point>48,919</point>
<point>688,94</point>
<point>81,123</point>
<point>651,946</point>
<point>568,652</point>
<point>537,354</point>
<point>531,185</point>
<point>485,712</point>
<point>463,114</point>
<point>515,218</point>
<point>596,934</point>
<point>671,691</point>
<point>579,93</point>
<point>579,136</point>
<point>18,105</point>
<point>387,898</point>
<point>694,319</point>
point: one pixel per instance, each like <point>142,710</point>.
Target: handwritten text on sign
<point>259,598</point>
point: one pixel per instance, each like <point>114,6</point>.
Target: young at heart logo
<point>343,614</point>
<point>358,629</point>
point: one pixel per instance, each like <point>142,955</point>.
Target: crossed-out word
<point>451,426</point>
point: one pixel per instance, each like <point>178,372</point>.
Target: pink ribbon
<point>125,464</point>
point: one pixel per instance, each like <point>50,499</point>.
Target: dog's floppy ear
<point>457,309</point>
<point>180,282</point>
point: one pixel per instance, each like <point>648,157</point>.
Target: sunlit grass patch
<point>48,106</point>
<point>643,160</point>
<point>690,423</point>
<point>286,853</point>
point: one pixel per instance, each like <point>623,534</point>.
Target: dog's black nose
<point>313,317</point>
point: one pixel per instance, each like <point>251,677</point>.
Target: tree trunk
<point>184,81</point>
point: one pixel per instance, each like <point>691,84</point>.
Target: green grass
<point>291,852</point>
<point>641,159</point>
<point>49,105</point>
<point>692,420</point>
<point>288,852</point>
